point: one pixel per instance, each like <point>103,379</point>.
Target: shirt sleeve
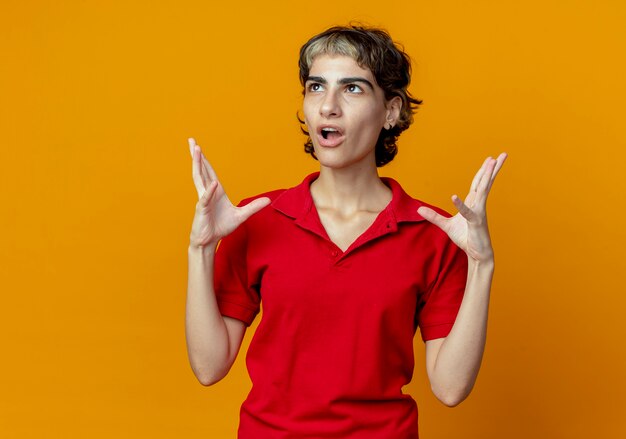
<point>440,305</point>
<point>235,296</point>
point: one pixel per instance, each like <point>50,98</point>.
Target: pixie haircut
<point>371,48</point>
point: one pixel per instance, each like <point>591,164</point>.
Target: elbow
<point>208,369</point>
<point>451,400</point>
<point>207,379</point>
<point>452,397</point>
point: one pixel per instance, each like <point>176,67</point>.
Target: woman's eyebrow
<point>342,81</point>
<point>356,79</point>
<point>316,79</point>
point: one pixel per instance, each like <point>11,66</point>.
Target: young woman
<point>346,265</point>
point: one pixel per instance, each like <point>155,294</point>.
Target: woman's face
<point>345,110</point>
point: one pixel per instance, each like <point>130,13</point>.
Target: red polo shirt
<point>335,342</point>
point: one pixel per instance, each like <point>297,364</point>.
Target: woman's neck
<point>350,190</point>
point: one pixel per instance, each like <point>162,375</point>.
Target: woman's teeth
<point>326,131</point>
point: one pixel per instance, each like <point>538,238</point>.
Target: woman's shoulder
<point>272,195</point>
<point>437,209</point>
<point>285,199</point>
<point>406,205</point>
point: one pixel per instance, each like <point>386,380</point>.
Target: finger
<point>196,173</point>
<point>203,169</point>
<point>208,167</point>
<point>470,199</point>
<point>483,185</point>
<point>433,217</point>
<point>479,175</point>
<point>486,174</point>
<point>482,191</point>
<point>499,162</point>
<point>207,196</point>
<point>198,160</point>
<point>199,178</point>
<point>192,144</point>
<point>253,207</point>
<point>465,211</point>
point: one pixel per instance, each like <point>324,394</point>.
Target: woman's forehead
<point>337,65</point>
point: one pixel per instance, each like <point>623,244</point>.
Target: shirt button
<point>334,253</point>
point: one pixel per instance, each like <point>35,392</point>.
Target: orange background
<point>97,100</point>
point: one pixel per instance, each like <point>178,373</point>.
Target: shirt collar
<point>296,202</point>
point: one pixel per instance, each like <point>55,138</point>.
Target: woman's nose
<point>330,105</point>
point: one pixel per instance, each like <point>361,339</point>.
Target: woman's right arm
<point>213,340</point>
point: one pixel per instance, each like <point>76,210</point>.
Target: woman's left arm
<point>453,362</point>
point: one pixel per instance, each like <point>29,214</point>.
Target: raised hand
<point>468,228</point>
<point>215,215</point>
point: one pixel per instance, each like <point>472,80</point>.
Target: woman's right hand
<point>215,215</point>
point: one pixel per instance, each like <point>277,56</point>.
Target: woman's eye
<point>353,88</point>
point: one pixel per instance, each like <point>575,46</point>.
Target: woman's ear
<point>394,106</point>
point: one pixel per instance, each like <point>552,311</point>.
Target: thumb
<point>433,217</point>
<point>253,207</point>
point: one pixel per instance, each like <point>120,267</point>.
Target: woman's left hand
<point>468,228</point>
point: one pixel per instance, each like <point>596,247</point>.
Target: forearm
<point>458,361</point>
<point>206,332</point>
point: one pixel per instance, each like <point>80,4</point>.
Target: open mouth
<point>330,133</point>
<point>330,136</point>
